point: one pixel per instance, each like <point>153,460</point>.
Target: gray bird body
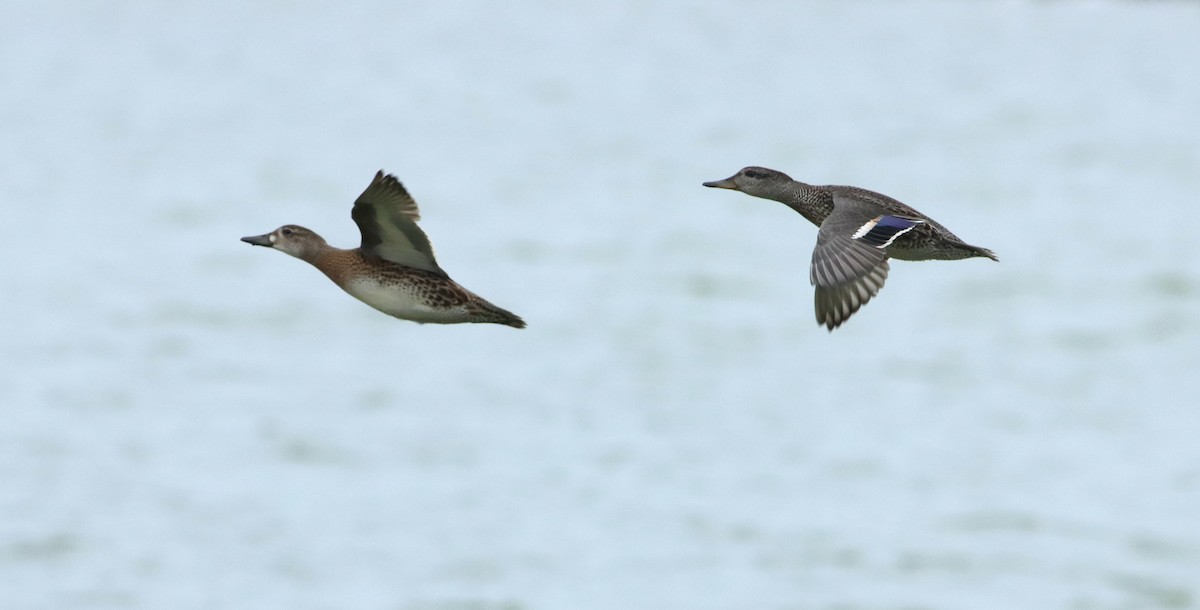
<point>859,230</point>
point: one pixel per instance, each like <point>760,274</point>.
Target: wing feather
<point>846,272</point>
<point>387,217</point>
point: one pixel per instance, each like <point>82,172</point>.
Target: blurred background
<point>187,422</point>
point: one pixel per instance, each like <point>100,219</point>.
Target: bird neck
<point>812,202</point>
<point>337,264</point>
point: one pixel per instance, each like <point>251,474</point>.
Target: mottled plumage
<point>859,231</point>
<point>394,270</point>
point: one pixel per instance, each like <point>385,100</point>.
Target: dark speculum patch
<point>884,230</point>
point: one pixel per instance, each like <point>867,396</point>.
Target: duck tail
<point>496,315</point>
<point>985,253</point>
<point>509,318</point>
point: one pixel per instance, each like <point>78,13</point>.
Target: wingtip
<point>831,323</point>
<point>828,312</point>
<point>389,181</point>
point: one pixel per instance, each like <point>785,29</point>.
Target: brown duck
<point>394,270</point>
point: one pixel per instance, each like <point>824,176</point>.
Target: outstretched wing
<point>846,274</point>
<point>849,264</point>
<point>387,217</point>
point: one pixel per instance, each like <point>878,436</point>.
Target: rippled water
<point>186,422</point>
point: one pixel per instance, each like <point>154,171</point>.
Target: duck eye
<point>286,232</point>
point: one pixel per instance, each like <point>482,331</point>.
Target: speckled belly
<point>406,300</point>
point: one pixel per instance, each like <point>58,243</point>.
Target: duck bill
<point>722,184</point>
<point>259,240</point>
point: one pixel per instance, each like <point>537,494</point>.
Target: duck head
<point>756,181</point>
<point>295,240</point>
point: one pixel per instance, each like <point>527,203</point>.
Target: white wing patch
<point>881,231</point>
<point>863,230</point>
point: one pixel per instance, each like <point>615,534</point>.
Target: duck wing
<point>849,264</point>
<point>387,217</point>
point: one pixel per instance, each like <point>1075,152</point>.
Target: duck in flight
<point>394,270</point>
<point>859,231</point>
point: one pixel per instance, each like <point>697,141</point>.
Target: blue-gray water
<point>187,422</point>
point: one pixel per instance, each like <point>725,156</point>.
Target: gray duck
<point>859,231</point>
